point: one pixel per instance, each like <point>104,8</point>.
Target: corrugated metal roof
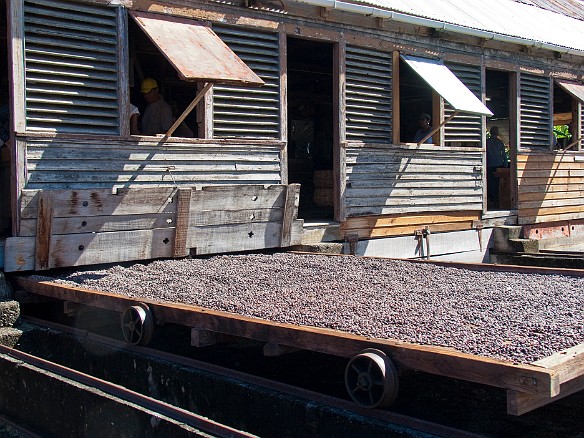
<point>505,17</point>
<point>571,8</point>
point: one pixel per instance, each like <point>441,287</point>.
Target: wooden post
<point>183,201</point>
<point>43,231</point>
<point>292,192</point>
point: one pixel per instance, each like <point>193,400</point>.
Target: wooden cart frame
<point>528,386</point>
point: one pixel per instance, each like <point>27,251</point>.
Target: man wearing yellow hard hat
<point>157,118</point>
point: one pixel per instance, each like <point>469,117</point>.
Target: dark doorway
<point>310,126</point>
<point>5,128</point>
<point>499,177</point>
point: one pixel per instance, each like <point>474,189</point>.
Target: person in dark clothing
<point>425,129</point>
<point>496,157</point>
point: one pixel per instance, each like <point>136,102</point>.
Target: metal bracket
<point>479,227</point>
<point>353,239</point>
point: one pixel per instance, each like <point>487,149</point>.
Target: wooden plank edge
<point>519,403</point>
<point>432,359</point>
<point>183,197</point>
<point>568,363</point>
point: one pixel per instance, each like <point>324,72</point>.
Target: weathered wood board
<point>389,180</point>
<point>550,187</point>
<point>63,228</point>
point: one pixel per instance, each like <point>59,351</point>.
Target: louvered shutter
<point>535,110</point>
<point>249,111</point>
<point>368,95</point>
<point>465,129</point>
<point>71,67</point>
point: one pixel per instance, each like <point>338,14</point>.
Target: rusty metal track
<point>165,409</point>
<point>22,431</point>
<point>422,426</point>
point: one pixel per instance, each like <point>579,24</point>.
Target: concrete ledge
<point>507,239</point>
<point>326,248</point>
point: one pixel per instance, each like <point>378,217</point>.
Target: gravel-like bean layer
<point>511,316</point>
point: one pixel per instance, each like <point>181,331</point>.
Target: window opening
<point>568,109</point>
<point>564,108</point>
<point>499,125</point>
<point>416,98</point>
<point>450,88</point>
<point>187,55</point>
<point>310,130</point>
<point>146,61</point>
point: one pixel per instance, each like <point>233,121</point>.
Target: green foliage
<point>562,131</point>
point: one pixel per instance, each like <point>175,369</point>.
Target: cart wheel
<point>371,379</point>
<point>137,324</point>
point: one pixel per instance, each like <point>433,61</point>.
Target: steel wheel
<point>137,324</point>
<point>371,379</point>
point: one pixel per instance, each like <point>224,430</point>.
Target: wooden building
<point>302,112</point>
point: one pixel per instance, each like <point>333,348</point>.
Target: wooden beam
<point>290,211</point>
<point>519,403</point>
<point>188,109</point>
<point>44,231</point>
<point>183,207</point>
<point>569,366</point>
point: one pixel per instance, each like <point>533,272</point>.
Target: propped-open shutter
<point>249,111</point>
<point>368,95</point>
<point>465,129</point>
<point>71,67</point>
<point>535,110</point>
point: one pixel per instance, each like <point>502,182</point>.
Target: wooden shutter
<point>249,111</point>
<point>464,129</point>
<point>535,110</point>
<point>368,95</point>
<point>71,57</point>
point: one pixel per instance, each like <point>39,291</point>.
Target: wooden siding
<point>81,164</point>
<point>71,64</point>
<point>550,187</point>
<point>368,89</point>
<point>63,228</point>
<point>249,111</point>
<point>399,225</point>
<point>465,129</point>
<point>412,179</point>
<point>535,111</point>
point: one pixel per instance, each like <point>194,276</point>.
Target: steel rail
<point>397,419</point>
<point>165,409</point>
<point>19,428</point>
